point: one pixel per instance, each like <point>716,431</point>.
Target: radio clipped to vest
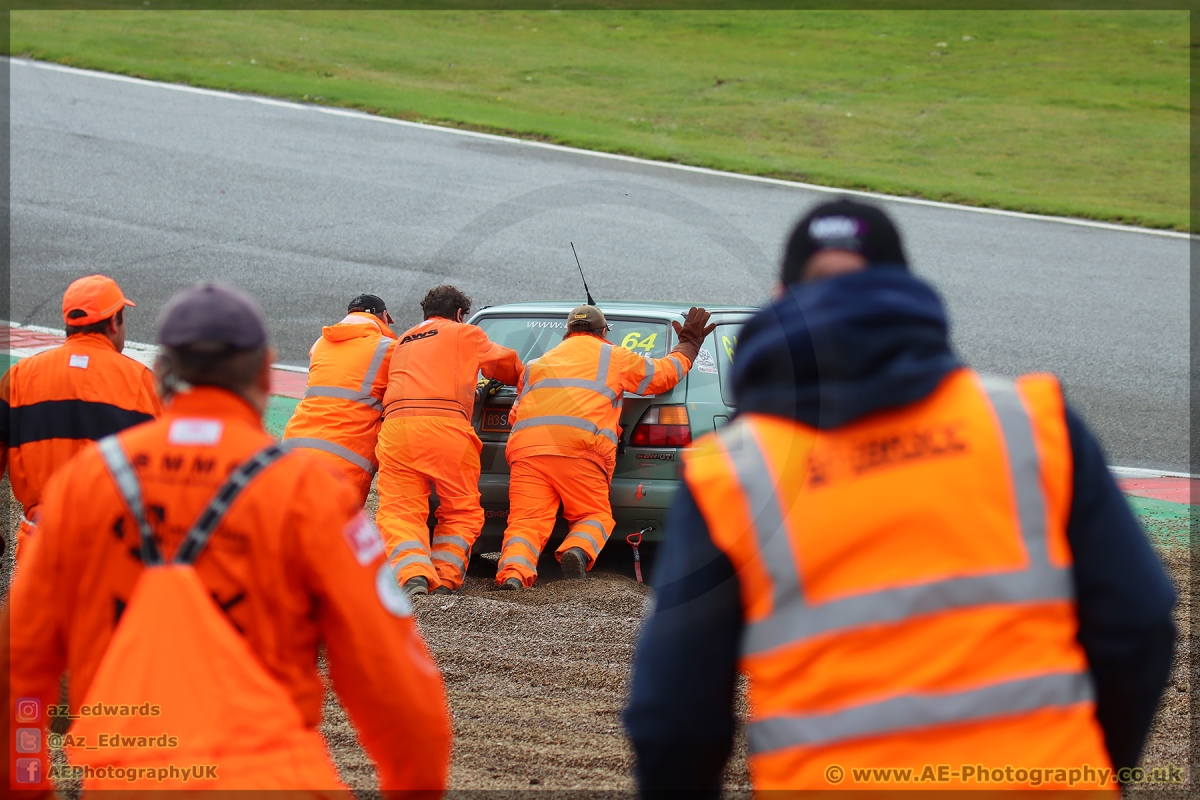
<point>217,719</point>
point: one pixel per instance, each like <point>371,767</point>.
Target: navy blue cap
<point>212,314</point>
<point>843,225</point>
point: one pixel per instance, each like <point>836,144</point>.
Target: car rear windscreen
<point>532,336</point>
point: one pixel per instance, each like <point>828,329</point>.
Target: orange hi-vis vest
<point>214,717</point>
<point>55,403</point>
<point>906,585</point>
<point>569,400</point>
<point>342,408</point>
<point>434,369</point>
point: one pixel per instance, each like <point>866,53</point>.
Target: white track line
<point>138,351</point>
<point>341,112</point>
<point>1133,472</point>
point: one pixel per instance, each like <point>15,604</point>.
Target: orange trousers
<point>355,475</point>
<point>417,454</point>
<point>24,530</point>
<point>536,486</point>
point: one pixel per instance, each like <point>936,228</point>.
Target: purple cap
<point>212,313</point>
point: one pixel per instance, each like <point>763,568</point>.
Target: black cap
<point>212,314</point>
<point>370,303</point>
<point>844,225</point>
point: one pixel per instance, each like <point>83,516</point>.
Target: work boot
<point>416,586</point>
<point>511,583</point>
<point>574,563</point>
<point>443,590</point>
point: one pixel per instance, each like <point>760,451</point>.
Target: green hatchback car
<point>654,428</point>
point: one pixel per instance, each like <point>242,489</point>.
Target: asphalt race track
<point>160,187</point>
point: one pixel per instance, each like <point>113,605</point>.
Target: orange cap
<point>92,299</point>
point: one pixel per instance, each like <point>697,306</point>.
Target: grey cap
<point>212,314</point>
<point>586,318</point>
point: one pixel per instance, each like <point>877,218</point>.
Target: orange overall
<point>427,442</point>
<point>56,402</point>
<point>294,564</point>
<point>340,414</point>
<point>884,630</point>
<point>564,443</point>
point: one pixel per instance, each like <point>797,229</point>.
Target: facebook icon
<point>29,770</point>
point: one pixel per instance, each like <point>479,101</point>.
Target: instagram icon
<point>29,709</point>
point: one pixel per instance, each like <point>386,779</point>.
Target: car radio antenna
<point>588,291</point>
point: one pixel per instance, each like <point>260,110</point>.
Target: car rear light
<point>662,426</point>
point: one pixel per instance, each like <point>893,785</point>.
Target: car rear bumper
<point>636,504</point>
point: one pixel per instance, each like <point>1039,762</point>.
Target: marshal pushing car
<point>654,428</point>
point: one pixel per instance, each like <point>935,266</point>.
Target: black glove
<point>694,330</point>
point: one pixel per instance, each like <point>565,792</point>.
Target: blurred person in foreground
<point>913,564</point>
<point>195,587</point>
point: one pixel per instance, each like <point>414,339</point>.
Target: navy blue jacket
<point>826,354</point>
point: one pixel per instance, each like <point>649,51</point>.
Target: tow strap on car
<point>635,539</point>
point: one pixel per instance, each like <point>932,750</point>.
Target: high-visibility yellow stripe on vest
<point>906,584</point>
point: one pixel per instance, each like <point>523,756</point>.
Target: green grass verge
<point>1060,112</point>
<point>1167,524</point>
<point>279,411</point>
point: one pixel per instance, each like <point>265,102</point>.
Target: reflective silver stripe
<point>574,383</point>
<point>575,531</point>
<point>605,360</point>
<point>343,394</point>
<point>585,535</point>
<point>774,544</point>
<point>1023,465</point>
<point>599,386</point>
<point>650,369</point>
<point>518,559</point>
<point>131,491</point>
<point>452,558</point>
<point>376,362</point>
<point>524,383</point>
<point>799,622</point>
<point>408,545</point>
<point>912,711</point>
<point>330,447</point>
<point>570,422</point>
<point>412,559</point>
<point>449,539</point>
<point>677,364</point>
<point>793,620</point>
<point>594,523</point>
<point>523,541</point>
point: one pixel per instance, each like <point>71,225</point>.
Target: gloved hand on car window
<point>694,330</point>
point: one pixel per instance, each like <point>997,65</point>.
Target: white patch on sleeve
<point>79,361</point>
<point>705,363</point>
<point>196,431</point>
<point>390,594</point>
<point>364,539</point>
